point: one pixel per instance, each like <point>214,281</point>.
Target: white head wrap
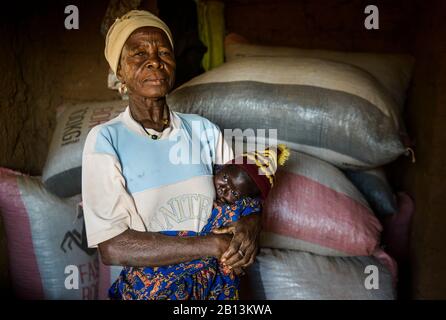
<point>123,27</point>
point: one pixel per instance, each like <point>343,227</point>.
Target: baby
<point>232,183</point>
<point>240,190</point>
<point>237,195</point>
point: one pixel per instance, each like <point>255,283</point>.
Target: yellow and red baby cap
<point>261,166</point>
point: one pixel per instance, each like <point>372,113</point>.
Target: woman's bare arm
<point>152,249</point>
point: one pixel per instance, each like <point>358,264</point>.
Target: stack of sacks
<point>337,111</point>
<point>314,208</point>
<point>47,246</point>
<point>296,275</point>
<point>62,173</point>
<point>332,110</point>
<point>46,242</point>
<point>392,71</point>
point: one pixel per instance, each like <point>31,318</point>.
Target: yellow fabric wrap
<point>211,27</point>
<point>123,27</point>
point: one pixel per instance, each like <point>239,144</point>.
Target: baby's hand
<point>237,270</point>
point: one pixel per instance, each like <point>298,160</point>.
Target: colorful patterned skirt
<point>199,279</point>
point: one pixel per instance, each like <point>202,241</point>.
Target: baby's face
<point>231,184</point>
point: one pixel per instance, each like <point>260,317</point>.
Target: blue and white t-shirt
<point>130,180</point>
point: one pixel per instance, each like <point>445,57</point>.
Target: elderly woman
<point>134,183</point>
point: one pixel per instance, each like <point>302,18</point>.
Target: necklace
<point>166,122</point>
<point>154,136</point>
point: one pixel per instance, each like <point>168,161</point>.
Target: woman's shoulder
<point>105,131</point>
<point>190,118</point>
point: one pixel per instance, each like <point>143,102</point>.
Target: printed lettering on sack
<point>73,128</point>
<point>84,276</point>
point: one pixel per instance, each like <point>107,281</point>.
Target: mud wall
<point>426,179</point>
<point>42,66</point>
<point>322,24</point>
<point>45,65</point>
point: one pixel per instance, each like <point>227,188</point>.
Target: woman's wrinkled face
<point>147,64</point>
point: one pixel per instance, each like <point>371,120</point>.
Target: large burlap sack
<point>62,171</point>
<point>46,240</point>
<point>334,111</point>
<point>313,207</point>
<point>293,275</point>
<point>394,71</point>
<point>376,190</point>
<point>397,229</point>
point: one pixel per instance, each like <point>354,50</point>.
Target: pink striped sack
<point>313,207</point>
<point>47,249</point>
<point>107,275</point>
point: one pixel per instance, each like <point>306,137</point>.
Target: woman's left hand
<point>243,247</point>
